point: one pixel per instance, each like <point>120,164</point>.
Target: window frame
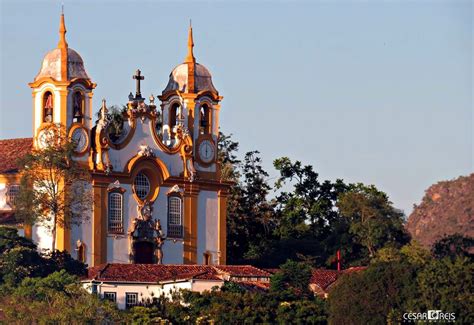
<point>120,228</point>
<point>110,293</point>
<point>11,202</point>
<point>127,304</point>
<point>175,230</point>
<point>135,190</point>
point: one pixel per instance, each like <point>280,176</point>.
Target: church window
<point>175,217</point>
<point>207,258</point>
<point>48,107</point>
<point>12,194</point>
<point>205,119</point>
<point>131,299</point>
<point>141,186</point>
<point>115,212</point>
<point>77,107</point>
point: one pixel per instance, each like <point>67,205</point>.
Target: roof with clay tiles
<point>11,150</point>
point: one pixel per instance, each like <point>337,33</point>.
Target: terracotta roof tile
<point>243,270</point>
<point>153,273</point>
<point>11,150</point>
<point>323,278</point>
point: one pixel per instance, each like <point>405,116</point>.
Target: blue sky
<point>373,92</point>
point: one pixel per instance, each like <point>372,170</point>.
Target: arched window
<point>172,115</point>
<point>48,106</point>
<point>115,213</point>
<point>141,186</point>
<point>77,107</point>
<point>205,124</point>
<point>175,217</point>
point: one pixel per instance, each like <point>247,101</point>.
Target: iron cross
<point>138,77</point>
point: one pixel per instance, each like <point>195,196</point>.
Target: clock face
<point>45,138</point>
<point>207,151</point>
<point>79,137</point>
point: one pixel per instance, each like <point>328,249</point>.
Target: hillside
<point>446,208</point>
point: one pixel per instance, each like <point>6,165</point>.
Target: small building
<point>132,284</point>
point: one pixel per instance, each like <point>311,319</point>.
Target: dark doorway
<point>143,252</point>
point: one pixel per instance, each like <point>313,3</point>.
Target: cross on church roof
<point>138,77</point>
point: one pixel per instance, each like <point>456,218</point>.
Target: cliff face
<point>446,208</point>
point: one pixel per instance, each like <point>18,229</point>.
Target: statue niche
<point>146,237</point>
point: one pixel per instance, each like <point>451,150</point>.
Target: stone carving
<point>145,151</point>
<point>144,229</point>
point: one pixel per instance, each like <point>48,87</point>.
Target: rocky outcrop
<point>446,208</point>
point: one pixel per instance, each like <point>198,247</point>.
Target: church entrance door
<point>143,252</point>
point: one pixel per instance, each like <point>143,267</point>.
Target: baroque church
<point>156,186</point>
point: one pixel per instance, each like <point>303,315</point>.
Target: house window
<point>111,296</point>
<point>141,186</point>
<point>131,299</point>
<point>12,194</point>
<point>115,213</point>
<point>175,217</point>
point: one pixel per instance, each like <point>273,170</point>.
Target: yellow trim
<point>99,226</point>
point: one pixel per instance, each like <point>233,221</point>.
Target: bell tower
<point>191,99</point>
<point>62,93</point>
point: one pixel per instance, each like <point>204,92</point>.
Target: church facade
<point>157,193</point>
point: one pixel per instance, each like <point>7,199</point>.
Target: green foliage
<point>57,298</point>
<point>448,284</point>
<point>292,280</point>
<point>250,214</point>
<point>453,246</point>
<point>53,188</point>
<point>231,307</point>
<point>20,259</point>
<point>374,222</point>
<point>227,158</point>
<point>368,297</point>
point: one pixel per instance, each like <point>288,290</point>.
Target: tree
<point>453,246</point>
<point>55,299</point>
<point>308,221</point>
<point>373,296</point>
<point>227,158</point>
<point>250,213</point>
<point>19,259</point>
<point>292,280</point>
<point>373,220</point>
<point>53,190</point>
<point>447,284</point>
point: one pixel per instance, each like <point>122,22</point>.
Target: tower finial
<point>190,57</point>
<point>62,31</point>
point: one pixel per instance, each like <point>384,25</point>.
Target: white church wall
<point>207,226</point>
<point>143,136</point>
<point>172,250</point>
<point>42,235</point>
<point>117,244</point>
<point>83,232</point>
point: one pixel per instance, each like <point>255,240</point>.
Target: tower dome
<point>190,76</point>
<point>52,65</point>
<point>62,63</point>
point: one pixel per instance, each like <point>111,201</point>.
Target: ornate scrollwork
<point>144,229</point>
